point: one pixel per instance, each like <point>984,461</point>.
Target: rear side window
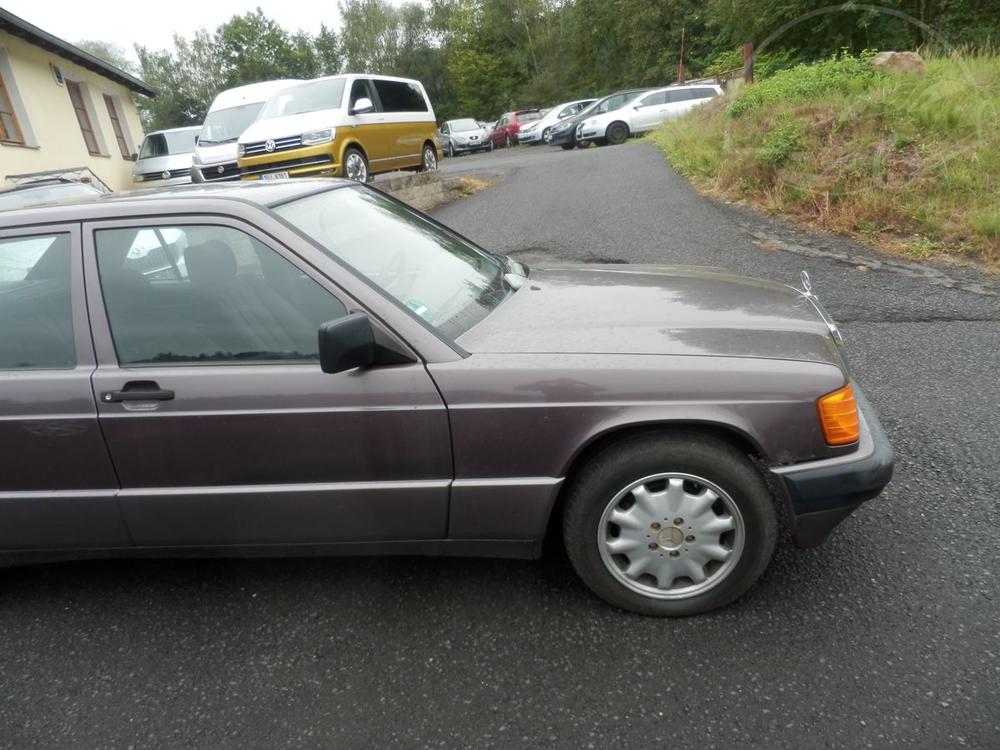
<point>36,318</point>
<point>703,93</point>
<point>198,294</point>
<point>399,96</point>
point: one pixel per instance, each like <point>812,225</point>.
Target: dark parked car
<point>564,134</point>
<point>314,366</point>
<point>507,127</point>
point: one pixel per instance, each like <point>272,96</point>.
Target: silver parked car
<point>165,157</point>
<point>457,136</point>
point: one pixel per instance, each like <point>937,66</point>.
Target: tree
<point>109,52</point>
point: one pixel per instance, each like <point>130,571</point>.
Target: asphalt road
<point>887,636</point>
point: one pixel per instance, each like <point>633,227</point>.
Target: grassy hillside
<point>910,164</point>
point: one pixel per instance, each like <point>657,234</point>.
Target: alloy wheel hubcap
<point>430,159</point>
<point>671,536</point>
<point>356,169</point>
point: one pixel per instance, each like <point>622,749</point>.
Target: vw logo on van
<point>166,174</point>
<point>269,145</point>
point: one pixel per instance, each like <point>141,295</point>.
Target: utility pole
<point>748,62</point>
<point>680,61</point>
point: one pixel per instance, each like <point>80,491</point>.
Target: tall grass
<point>911,163</point>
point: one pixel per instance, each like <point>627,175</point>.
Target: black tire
<point>617,133</point>
<point>490,147</point>
<point>451,150</point>
<point>605,475</point>
<point>508,142</point>
<point>566,146</point>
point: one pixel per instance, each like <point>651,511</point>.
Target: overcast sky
<point>153,24</point>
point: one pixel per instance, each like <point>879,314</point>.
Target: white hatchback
<point>644,113</point>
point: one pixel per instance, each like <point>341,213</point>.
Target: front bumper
<point>561,137</point>
<point>219,172</point>
<point>823,493</point>
<point>530,136</point>
<point>471,146</point>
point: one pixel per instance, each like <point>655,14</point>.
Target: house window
<point>116,125</point>
<point>83,117</point>
<point>10,130</point>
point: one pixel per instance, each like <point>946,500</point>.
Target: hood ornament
<point>807,286</point>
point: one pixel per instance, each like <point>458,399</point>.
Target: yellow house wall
<point>53,123</point>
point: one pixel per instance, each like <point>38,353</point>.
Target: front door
<point>57,485</point>
<point>370,127</point>
<point>649,112</point>
<point>221,425</point>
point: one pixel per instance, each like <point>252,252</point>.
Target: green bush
<point>779,143</point>
<point>845,73</point>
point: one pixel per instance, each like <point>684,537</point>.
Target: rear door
<point>221,425</point>
<point>57,485</point>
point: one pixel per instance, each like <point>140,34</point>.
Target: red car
<point>507,127</point>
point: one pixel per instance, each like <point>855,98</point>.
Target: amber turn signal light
<point>838,413</point>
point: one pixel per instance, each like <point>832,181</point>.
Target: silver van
<point>165,158</point>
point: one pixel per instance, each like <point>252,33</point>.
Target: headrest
<point>212,262</point>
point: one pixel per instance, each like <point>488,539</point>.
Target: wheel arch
<point>355,143</point>
<point>727,433</point>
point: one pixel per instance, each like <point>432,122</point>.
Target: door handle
<point>138,390</point>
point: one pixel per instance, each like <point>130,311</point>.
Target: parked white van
<point>232,112</point>
<point>165,158</point>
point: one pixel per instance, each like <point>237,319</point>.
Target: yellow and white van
<point>343,126</point>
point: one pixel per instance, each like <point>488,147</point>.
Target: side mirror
<point>196,139</point>
<point>133,157</point>
<point>363,106</point>
<point>346,343</point>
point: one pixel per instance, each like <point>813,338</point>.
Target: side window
<point>360,89</point>
<point>400,96</point>
<point>36,317</point>
<point>680,95</point>
<point>703,93</point>
<point>654,99</point>
<point>207,294</point>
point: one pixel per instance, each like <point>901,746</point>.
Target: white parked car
<point>644,113</point>
<point>536,132</point>
<point>232,112</point>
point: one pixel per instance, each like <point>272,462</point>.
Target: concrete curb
<point>422,190</point>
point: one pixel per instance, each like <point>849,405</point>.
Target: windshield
<point>460,126</point>
<point>168,144</point>
<point>613,102</point>
<point>306,97</point>
<point>226,125</point>
<point>45,194</point>
<point>435,275</point>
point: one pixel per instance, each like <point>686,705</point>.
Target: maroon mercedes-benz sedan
<point>314,366</point>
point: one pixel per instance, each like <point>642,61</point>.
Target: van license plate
<point>274,176</point>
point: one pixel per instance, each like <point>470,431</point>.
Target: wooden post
<point>748,62</point>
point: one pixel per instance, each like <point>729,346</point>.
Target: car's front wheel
<point>669,524</point>
<point>617,133</point>
<point>355,165</point>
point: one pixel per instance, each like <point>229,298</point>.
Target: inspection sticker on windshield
<point>417,306</point>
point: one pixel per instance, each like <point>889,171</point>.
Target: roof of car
<point>164,199</point>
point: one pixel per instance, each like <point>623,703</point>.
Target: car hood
<point>289,125</point>
<point>216,153</point>
<point>654,310</point>
<point>162,163</point>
